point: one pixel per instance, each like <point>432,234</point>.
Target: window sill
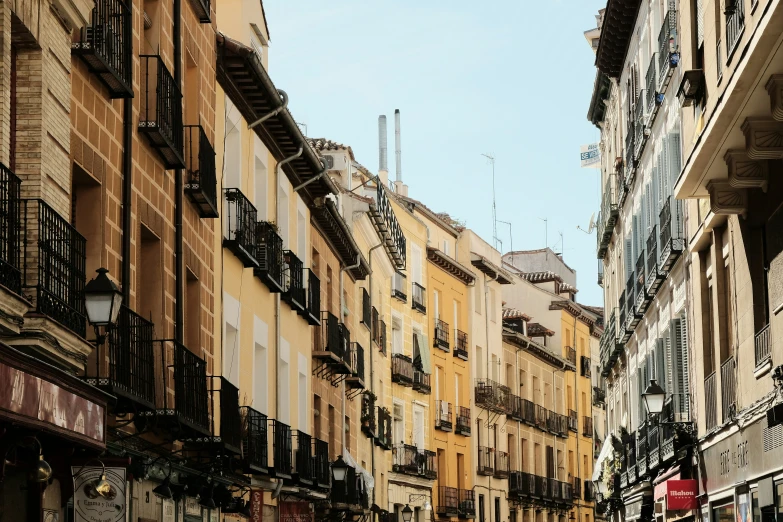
<point>763,368</point>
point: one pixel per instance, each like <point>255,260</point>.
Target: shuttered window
<point>680,364</point>
<point>700,23</point>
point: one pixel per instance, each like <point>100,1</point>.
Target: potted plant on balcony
<point>367,413</point>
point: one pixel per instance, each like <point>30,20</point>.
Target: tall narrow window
<point>261,180</point>
<point>260,366</point>
<point>396,335</point>
<point>333,433</point>
<point>302,395</point>
<point>87,215</point>
<point>284,382</point>
<point>191,91</point>
<point>193,312</point>
<point>283,211</point>
<point>317,413</point>
<point>150,292</point>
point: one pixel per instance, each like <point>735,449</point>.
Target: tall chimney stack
<point>397,148</point>
<point>383,168</point>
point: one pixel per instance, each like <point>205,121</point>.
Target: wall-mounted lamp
<point>101,486</point>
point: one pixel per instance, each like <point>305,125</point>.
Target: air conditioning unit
<point>329,162</point>
<point>775,415</point>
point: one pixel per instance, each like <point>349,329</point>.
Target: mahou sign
<point>681,494</point>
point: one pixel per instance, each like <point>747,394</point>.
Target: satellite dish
<point>591,225</point>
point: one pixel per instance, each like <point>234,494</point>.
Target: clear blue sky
<point>507,77</point>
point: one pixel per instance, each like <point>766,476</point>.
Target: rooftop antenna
<point>491,159</point>
<point>546,231</point>
<point>301,125</point>
<point>511,238</point>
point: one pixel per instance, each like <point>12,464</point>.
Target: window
<point>192,312</point>
<point>232,158</point>
<point>303,396</point>
<point>497,509</point>
<point>418,426</point>
<point>493,316</point>
<point>261,179</point>
<point>317,417</point>
<point>284,382</point>
<point>256,43</point>
<point>231,349</point>
<point>333,433</point>
<point>480,362</point>
<point>260,366</point>
<point>477,298</point>
<point>416,275</point>
<point>396,335</point>
<point>457,378</point>
<point>283,212</point>
<point>301,234</point>
<point>436,303</point>
<point>150,296</point>
<point>728,302</point>
<point>446,249</point>
<point>482,516</point>
<point>399,424</point>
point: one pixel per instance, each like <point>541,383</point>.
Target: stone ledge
<point>54,342</point>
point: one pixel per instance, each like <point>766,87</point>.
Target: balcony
<point>541,415</point>
<point>632,315</point>
<point>521,485</point>
<point>492,395</point>
<point>589,491</point>
<point>160,117</point>
<point>125,365</point>
<point>599,396</point>
<point>502,465</point>
<point>384,436</point>
<point>643,299</point>
<point>461,347</point>
<point>573,422</point>
<point>611,348</point>
<point>410,460</point>
<point>486,461</point>
<point>255,446</point>
<point>711,401</point>
<point>293,282</point>
<point>419,298</point>
<point>641,450</point>
<point>386,224</point>
<point>630,455</point>
<point>557,424</point>
<point>735,26</point>
<point>630,162</point>
<point>58,279</point>
<point>571,355</point>
<point>463,421</point>
<point>230,438</point>
<point>668,45</point>
<point>655,276</point>
<point>201,180</point>
<point>608,214</point>
<point>421,382</point>
<point>448,501</point>
<point>355,379</point>
<point>514,407</point>
<point>269,253</point>
<point>382,336</point>
<point>467,504</point>
<point>587,427</point>
<point>625,310</point>
<point>347,496</point>
<point>441,335</point>
<point>651,85</point>
<point>443,416</point>
<point>402,369</point>
<point>10,224</point>
<point>368,414</point>
<point>201,8</point>
<point>105,45</point>
<point>312,310</point>
<point>367,309</point>
<point>728,388</point>
<point>282,450</point>
<point>653,447</point>
<point>640,136</point>
<point>584,367</point>
<point>400,287</point>
<point>576,488</point>
<point>600,273</point>
<point>672,239</point>
<point>303,469</point>
<point>332,346</point>
<point>677,429</point>
<point>321,464</point>
<point>763,348</point>
<point>239,226</point>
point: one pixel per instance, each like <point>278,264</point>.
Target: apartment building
<point>730,97</point>
<point>641,236</point>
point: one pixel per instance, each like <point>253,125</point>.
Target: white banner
<point>88,506</point>
<point>589,156</point>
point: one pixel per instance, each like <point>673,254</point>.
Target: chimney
<point>397,148</point>
<point>383,168</point>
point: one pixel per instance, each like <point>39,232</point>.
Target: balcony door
<point>418,426</point>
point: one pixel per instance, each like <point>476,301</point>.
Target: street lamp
<point>163,490</point>
<point>407,513</point>
<point>653,397</point>
<point>102,299</point>
<point>339,469</point>
<point>101,486</point>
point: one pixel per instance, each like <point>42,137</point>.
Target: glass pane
<point>754,502</point>
<point>724,513</point>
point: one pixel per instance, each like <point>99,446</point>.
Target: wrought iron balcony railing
<point>125,365</point>
<point>255,445</point>
<point>491,395</point>
<point>421,382</point>
<point>541,414</point>
<point>651,84</point>
<point>160,116</point>
<point>467,504</point>
<point>368,414</point>
<point>400,286</point>
<point>672,239</point>
<point>576,487</point>
<point>384,437</point>
<point>441,335</point>
<point>411,460</point>
<point>653,447</point>
<point>502,464</point>
<point>230,417</point>
<point>448,501</point>
<point>269,253</point>
<point>514,407</point>
<point>570,355</point>
<point>667,46</point>
<point>355,379</point>
<point>239,226</point>
<point>10,227</point>
<point>676,428</point>
<point>639,131</point>
<point>443,416</point>
<point>711,401</point>
<point>655,276</point>
<point>105,45</point>
<point>201,8</point>
<point>589,491</point>
<point>521,485</point>
<point>461,347</point>
<point>282,449</point>
<point>630,162</point>
<point>735,26</point>
<point>641,450</point>
<point>402,369</point>
<point>599,395</point>
<point>763,346</point>
<point>201,180</point>
<point>600,273</point>
<point>330,345</point>
<point>486,462</point>
<point>293,282</point>
<point>584,367</point>
<point>419,298</point>
<point>321,463</point>
<point>643,299</point>
<point>303,463</point>
<point>463,420</point>
<point>557,424</point>
<point>312,311</point>
<point>728,388</point>
<point>367,316</point>
<point>382,336</point>
<point>587,426</point>
<point>58,277</point>
<point>573,422</point>
<point>385,222</point>
<point>608,214</point>
<point>347,494</point>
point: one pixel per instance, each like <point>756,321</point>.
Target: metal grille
<point>485,461</point>
<point>201,181</point>
<point>728,385</point>
<point>773,438</point>
<point>463,420</point>
<point>393,231</point>
<point>443,415</point>
<point>419,299</point>
<point>160,116</point>
<point>366,309</point>
<point>282,447</point>
<point>502,465</point>
<point>461,348</point>
<point>711,401</point>
<point>400,286</point>
<point>230,420</point>
<point>447,501</point>
<point>240,226</point>
<point>667,41</point>
<point>467,503</point>
<point>293,284</point>
<point>402,369</point>
<point>651,84</point>
<point>255,447</point>
<point>762,346</point>
<point>269,248</point>
<point>10,220</point>
<point>357,361</point>
<point>132,356</point>
<point>441,334</point>
<point>190,386</point>
<point>313,296</point>
<point>303,457</point>
<point>321,462</point>
<point>735,25</point>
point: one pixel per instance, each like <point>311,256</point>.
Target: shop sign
<point>192,507</point>
<point>295,512</point>
<point>168,510</point>
<point>741,457</point>
<point>633,510</point>
<point>256,505</point>
<point>88,505</point>
<point>681,494</point>
<point>29,396</point>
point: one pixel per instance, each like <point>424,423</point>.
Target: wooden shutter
<point>699,23</point>
<point>661,364</point>
<point>550,462</point>
<point>674,157</point>
<point>681,386</point>
<point>628,259</point>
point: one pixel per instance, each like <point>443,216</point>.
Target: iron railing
<point>384,436</point>
<point>521,485</point>
<point>711,401</point>
<point>10,226</point>
<point>400,286</point>
<point>441,335</point>
<point>321,463</point>
<point>667,43</point>
<point>160,115</point>
<point>303,470</point>
<point>368,414</point>
<point>573,422</point>
<point>443,416</point>
<point>255,445</point>
<point>652,254</point>
<point>402,369</point>
<point>676,421</point>
<point>485,464</point>
<point>600,273</point>
<point>571,355</point>
<point>421,381</point>
<point>230,418</point>
<point>58,278</point>
<point>651,84</point>
<point>672,238</point>
<point>653,446</point>
<point>313,291</point>
<point>502,464</point>
<point>463,420</point>
<point>282,449</point>
<point>599,395</point>
<point>367,316</point>
<point>584,367</point>
<point>239,224</point>
<point>557,424</point>
<point>105,45</point>
<point>642,299</point>
<point>269,253</point>
<point>201,181</point>
<point>641,449</point>
<point>541,414</point>
<point>639,137</point>
<point>492,395</point>
<point>467,504</point>
<point>357,366</point>
<point>329,341</point>
<point>719,60</point>
<point>461,347</point>
<point>735,26</point>
<point>390,229</point>
<point>589,491</point>
<point>576,488</point>
<point>514,407</point>
<point>411,460</point>
<point>382,336</point>
<point>762,346</point>
<point>293,281</point>
<point>630,166</point>
<point>728,388</point>
<point>448,501</point>
<point>587,426</point>
<point>419,298</point>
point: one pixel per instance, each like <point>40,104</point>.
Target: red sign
<point>681,494</point>
<point>26,395</point>
<point>256,505</point>
<point>295,512</point>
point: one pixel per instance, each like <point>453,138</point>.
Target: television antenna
<point>491,159</point>
<point>511,237</point>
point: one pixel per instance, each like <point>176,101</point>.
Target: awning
<point>607,450</point>
<point>424,353</point>
<point>369,481</point>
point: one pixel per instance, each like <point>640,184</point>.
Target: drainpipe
<point>179,272</point>
<point>275,112</point>
<point>127,188</point>
<point>486,323</point>
<point>372,373</point>
<point>315,178</point>
<point>576,407</point>
<point>342,305</point>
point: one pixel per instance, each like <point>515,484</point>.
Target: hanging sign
<point>589,156</point>
<point>256,505</point>
<point>681,494</point>
<point>88,505</point>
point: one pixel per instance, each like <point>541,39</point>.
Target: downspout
<point>372,372</point>
<point>179,272</point>
<point>278,336</point>
<point>275,112</point>
<point>576,402</point>
<point>486,332</point>
<point>315,178</point>
<point>127,188</point>
<point>342,305</point>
